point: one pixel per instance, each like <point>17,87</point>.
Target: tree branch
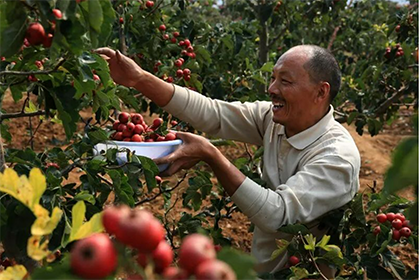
<point>20,115</point>
<point>161,191</point>
<point>385,105</point>
<point>333,37</point>
<point>278,36</point>
<point>45,72</point>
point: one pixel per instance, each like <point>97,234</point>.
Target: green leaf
<point>267,67</point>
<point>199,187</point>
<point>97,135</point>
<point>202,54</point>
<point>352,116</point>
<point>323,242</point>
<point>299,273</point>
<point>404,169</point>
<point>310,242</point>
<point>194,82</point>
<point>240,262</point>
<point>282,246</point>
<point>334,255</point>
<point>78,216</point>
<point>85,196</point>
<point>392,262</point>
<point>17,91</point>
<point>374,126</point>
<point>122,189</point>
<point>294,229</point>
<point>94,225</point>
<point>68,108</point>
<point>4,132</point>
<point>227,41</point>
<point>150,170</point>
<point>95,15</point>
<point>357,208</point>
<point>108,20</point>
<point>124,94</point>
<point>12,27</point>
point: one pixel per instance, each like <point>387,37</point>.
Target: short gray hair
<point>323,67</point>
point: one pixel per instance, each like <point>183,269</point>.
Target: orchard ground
<point>375,154</point>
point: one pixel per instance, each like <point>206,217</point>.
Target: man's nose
<point>272,89</point>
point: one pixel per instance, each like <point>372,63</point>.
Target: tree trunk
<point>263,46</point>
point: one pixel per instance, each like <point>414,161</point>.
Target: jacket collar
<point>303,139</point>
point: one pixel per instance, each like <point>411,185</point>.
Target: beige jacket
<point>307,174</point>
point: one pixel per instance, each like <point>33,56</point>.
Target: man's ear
<point>323,92</point>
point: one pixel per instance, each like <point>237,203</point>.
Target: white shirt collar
<point>303,139</point>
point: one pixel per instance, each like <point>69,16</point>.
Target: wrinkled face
<point>292,92</point>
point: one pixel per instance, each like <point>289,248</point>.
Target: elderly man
<point>311,163</point>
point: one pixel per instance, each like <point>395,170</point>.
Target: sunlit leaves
<point>16,272</point>
<point>81,229</point>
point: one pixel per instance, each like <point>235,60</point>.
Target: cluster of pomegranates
<point>97,256</point>
<point>132,128</point>
<point>400,225</point>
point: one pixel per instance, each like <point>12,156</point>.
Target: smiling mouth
<point>278,104</point>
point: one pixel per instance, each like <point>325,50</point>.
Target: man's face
<point>292,92</point>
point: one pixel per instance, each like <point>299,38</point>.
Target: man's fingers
<point>181,135</point>
<point>107,58</point>
<point>105,51</point>
<point>166,159</point>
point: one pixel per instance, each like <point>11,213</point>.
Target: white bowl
<point>148,149</point>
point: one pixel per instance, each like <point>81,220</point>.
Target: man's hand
<point>193,150</point>
<point>124,70</point>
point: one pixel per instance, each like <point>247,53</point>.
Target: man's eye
<point>285,81</point>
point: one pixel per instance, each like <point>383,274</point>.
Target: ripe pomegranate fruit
<point>400,216</point>
<point>405,231</point>
<point>162,27</point>
<point>93,257</point>
<point>381,218</point>
<point>170,136</point>
<point>214,270</point>
<point>293,260</point>
<point>162,257</point>
<point>390,216</point>
<point>138,129</point>
<point>48,40</point>
<point>397,224</point>
<point>137,118</point>
<point>195,249</point>
<point>137,138</point>
<point>174,273</point>
<point>376,230</point>
<point>57,13</point>
<point>396,234</point>
<point>111,217</point>
<point>35,33</point>
<point>141,230</point>
<point>123,117</point>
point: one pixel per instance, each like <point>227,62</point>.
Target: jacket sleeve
<point>245,122</point>
<point>320,186</point>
